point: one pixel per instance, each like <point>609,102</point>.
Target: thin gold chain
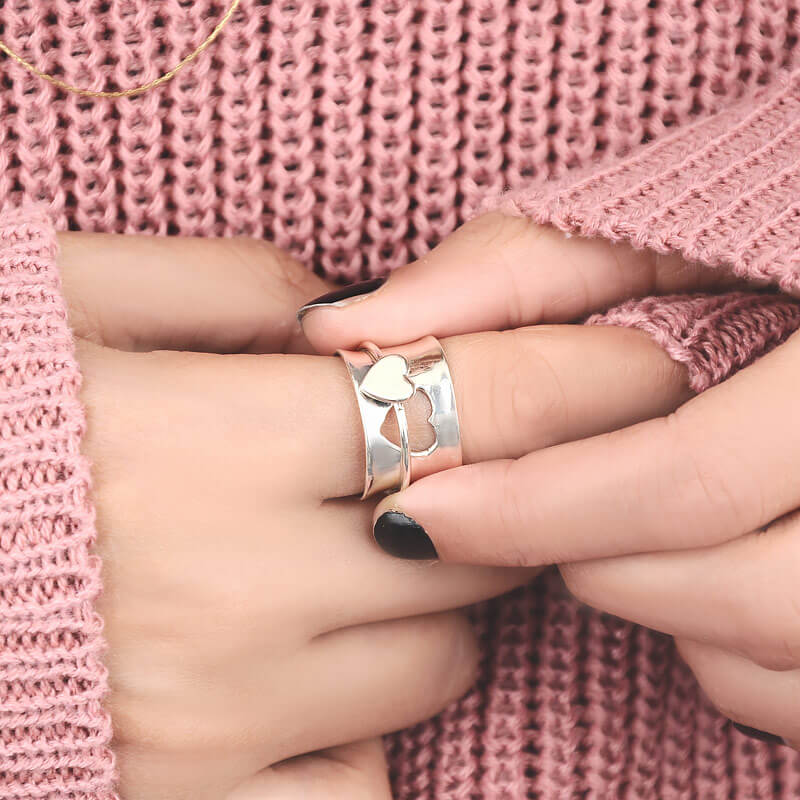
<point>145,87</point>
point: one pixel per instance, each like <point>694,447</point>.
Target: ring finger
<point>741,596</point>
<point>516,391</point>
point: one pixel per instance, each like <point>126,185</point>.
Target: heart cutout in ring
<point>387,380</point>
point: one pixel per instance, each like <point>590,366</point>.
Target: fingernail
<point>342,297</point>
<point>400,536</point>
<point>755,733</point>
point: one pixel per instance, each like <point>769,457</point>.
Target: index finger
<point>494,273</point>
<point>721,466</point>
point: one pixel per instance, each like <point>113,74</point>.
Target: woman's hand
<point>687,523</point>
<point>250,617</point>
<point>248,620</point>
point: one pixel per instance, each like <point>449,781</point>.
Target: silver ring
<point>384,380</point>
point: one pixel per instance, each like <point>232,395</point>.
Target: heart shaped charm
<point>387,380</point>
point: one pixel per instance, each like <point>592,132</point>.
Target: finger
<point>350,772</point>
<point>223,439</point>
<point>714,470</point>
<point>741,596</point>
<point>373,679</point>
<point>181,293</point>
<point>354,591</point>
<point>530,388</point>
<point>516,391</point>
<point>497,272</point>
<point>745,692</point>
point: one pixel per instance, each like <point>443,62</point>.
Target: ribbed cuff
<point>54,733</point>
<point>713,335</point>
<point>724,191</point>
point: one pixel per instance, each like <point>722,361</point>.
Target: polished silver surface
<point>386,379</point>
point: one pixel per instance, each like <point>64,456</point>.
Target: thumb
<point>494,273</point>
<point>351,772</point>
<point>183,293</point>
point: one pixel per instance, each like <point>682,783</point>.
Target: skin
<point>687,522</point>
<point>258,638</point>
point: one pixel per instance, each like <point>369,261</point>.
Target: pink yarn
<point>722,191</point>
<point>54,733</point>
<point>357,135</point>
<point>714,336</point>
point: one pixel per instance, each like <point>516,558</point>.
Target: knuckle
<point>774,643</point>
<point>458,670</point>
<point>448,664</point>
<point>84,322</point>
<point>724,704</point>
<point>497,229</point>
<point>292,272</point>
<point>707,676</point>
<point>529,401</point>
<point>773,654</point>
<point>768,631</point>
<point>578,579</point>
<point>517,311</point>
<point>330,769</point>
<point>510,240</point>
<point>700,485</point>
<point>712,671</point>
<point>516,547</point>
<point>270,268</point>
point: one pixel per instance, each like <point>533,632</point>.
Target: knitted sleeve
<point>723,191</point>
<point>54,733</point>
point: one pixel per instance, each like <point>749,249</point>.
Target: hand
<point>248,620</point>
<point>686,523</point>
<point>249,616</point>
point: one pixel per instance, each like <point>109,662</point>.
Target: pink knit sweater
<point>356,135</point>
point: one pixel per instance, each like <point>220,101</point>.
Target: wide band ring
<point>386,379</point>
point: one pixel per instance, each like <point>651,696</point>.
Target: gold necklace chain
<point>167,76</point>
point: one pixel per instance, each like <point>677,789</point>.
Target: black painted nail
<point>343,296</point>
<point>755,733</point>
<point>400,536</point>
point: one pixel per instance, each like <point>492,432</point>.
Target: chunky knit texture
<point>722,191</point>
<point>54,733</point>
<point>356,134</point>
